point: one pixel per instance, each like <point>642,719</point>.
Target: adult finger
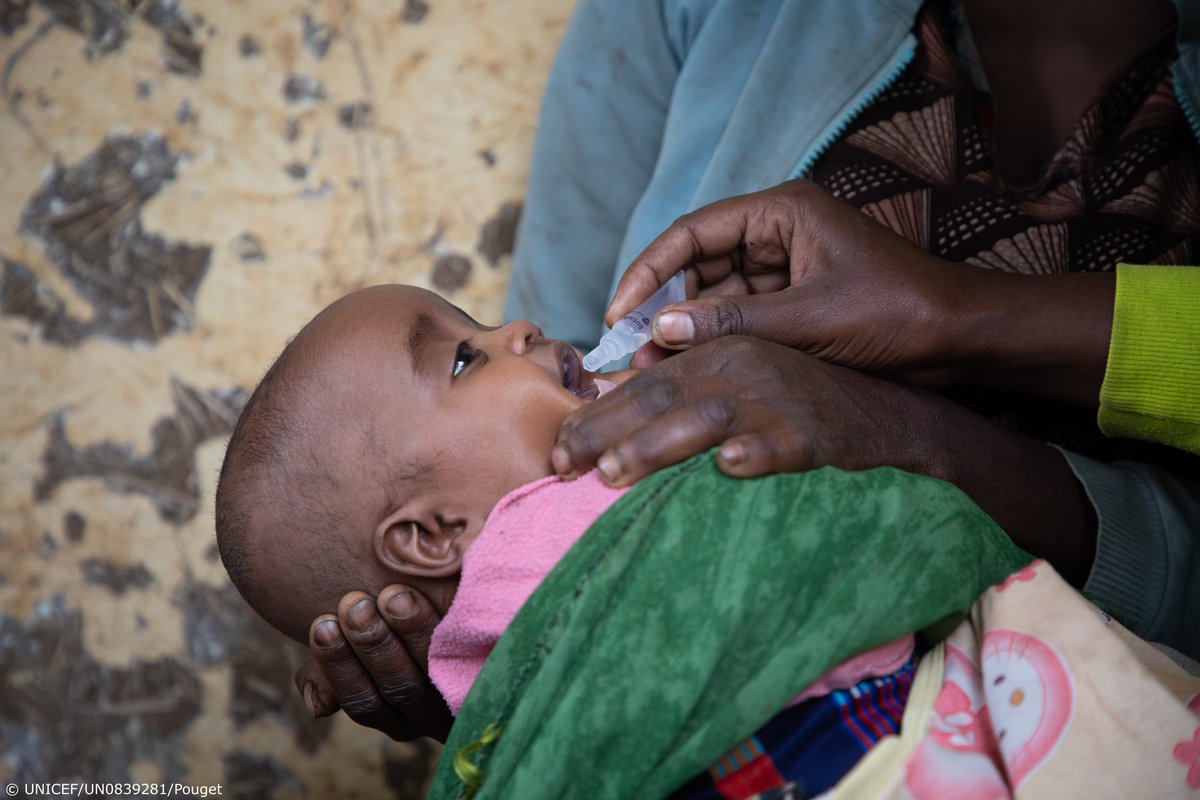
<point>647,355</point>
<point>314,689</point>
<point>775,317</point>
<point>350,682</point>
<point>671,438</point>
<point>398,669</point>
<point>592,429</point>
<point>767,452</point>
<point>715,270</point>
<point>713,232</point>
<point>412,618</point>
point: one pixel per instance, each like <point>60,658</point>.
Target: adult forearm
<point>1046,335</point>
<point>856,294</point>
<point>1026,486</point>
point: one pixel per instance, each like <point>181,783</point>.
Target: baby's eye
<point>463,358</point>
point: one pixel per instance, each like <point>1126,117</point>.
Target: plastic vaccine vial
<point>633,329</point>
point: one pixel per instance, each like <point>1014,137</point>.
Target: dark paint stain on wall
<point>184,114</point>
<point>498,234</point>
<point>317,37</point>
<point>117,578</point>
<point>408,774</point>
<point>167,474</point>
<point>450,272</point>
<point>303,89</point>
<point>291,129</point>
<point>23,295</point>
<point>215,622</point>
<point>87,219</point>
<point>248,248</point>
<point>221,628</point>
<point>356,115</point>
<point>105,25</point>
<point>252,776</point>
<point>181,52</point>
<point>62,714</point>
<point>13,15</point>
<point>74,526</point>
<point>415,11</point>
<point>248,46</point>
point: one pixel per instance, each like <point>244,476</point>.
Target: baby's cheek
<point>535,429</point>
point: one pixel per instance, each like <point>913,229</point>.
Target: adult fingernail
<point>402,606</point>
<point>609,467</point>
<point>675,327</point>
<point>310,698</point>
<point>326,634</point>
<point>362,614</point>
<point>560,459</point>
<point>732,454</point>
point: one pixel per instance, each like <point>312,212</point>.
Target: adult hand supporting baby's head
<point>370,660</point>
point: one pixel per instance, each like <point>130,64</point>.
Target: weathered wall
<point>183,185</point>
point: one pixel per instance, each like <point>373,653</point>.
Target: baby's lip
<point>574,379</point>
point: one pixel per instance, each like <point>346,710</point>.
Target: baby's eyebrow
<point>425,331</point>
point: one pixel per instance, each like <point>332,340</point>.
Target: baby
<point>377,445</point>
<point>394,433</point>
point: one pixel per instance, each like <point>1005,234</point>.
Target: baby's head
<point>376,446</point>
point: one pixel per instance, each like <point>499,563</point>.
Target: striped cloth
<point>807,748</point>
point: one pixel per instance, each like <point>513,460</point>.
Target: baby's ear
<point>417,547</point>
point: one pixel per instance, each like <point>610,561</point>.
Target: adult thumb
<point>774,317</point>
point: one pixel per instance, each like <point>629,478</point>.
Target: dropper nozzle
<point>633,329</point>
<point>605,353</point>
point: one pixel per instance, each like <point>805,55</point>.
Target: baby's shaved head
<point>377,445</point>
<point>284,528</point>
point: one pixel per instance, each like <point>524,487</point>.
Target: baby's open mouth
<point>573,376</point>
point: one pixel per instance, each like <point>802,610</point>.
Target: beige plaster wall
<point>182,185</point>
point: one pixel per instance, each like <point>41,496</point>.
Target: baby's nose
<point>520,335</point>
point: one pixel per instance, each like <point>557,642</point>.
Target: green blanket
<point>696,607</point>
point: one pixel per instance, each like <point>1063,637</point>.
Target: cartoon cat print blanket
<point>1038,694</point>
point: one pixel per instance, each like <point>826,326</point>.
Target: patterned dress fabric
<point>1122,188</point>
<point>808,747</point>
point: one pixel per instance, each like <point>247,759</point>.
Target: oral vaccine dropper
<point>633,329</point>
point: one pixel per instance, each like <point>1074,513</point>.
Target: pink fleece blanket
<point>526,534</point>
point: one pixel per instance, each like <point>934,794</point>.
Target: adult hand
<point>370,660</point>
<point>769,408</point>
<point>796,266</point>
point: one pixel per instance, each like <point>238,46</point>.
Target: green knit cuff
<point>1151,387</point>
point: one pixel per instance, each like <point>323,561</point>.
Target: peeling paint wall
<point>184,184</point>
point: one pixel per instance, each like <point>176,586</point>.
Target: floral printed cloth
<point>1038,694</point>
